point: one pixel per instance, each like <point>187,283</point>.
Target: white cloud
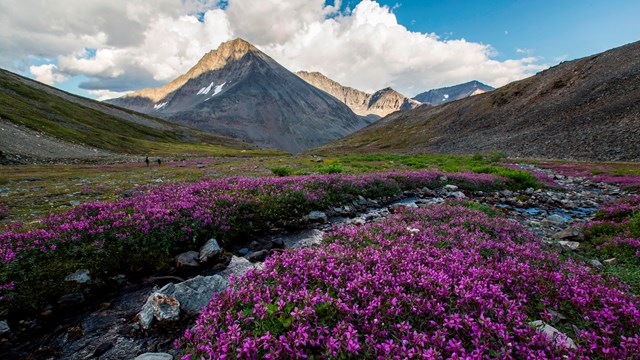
<point>561,58</point>
<point>101,95</point>
<point>146,42</point>
<point>527,52</point>
<point>369,50</point>
<point>47,74</point>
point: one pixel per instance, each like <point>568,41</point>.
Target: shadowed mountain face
<point>452,93</point>
<point>587,109</point>
<point>239,91</point>
<point>381,103</point>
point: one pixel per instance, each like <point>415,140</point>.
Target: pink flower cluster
<point>166,215</point>
<point>443,282</point>
<point>616,230</point>
<point>595,172</point>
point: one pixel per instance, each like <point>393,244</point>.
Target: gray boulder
<point>188,260</point>
<point>195,293</point>
<point>238,267</point>
<point>304,239</point>
<point>317,216</point>
<point>572,233</point>
<point>210,250</point>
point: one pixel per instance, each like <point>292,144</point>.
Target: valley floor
<point>363,260</point>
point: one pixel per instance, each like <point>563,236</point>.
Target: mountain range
<point>381,103</point>
<point>585,109</point>
<point>238,91</point>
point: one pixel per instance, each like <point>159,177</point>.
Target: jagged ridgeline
<point>381,103</point>
<point>238,91</point>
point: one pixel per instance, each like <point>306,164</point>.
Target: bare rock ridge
<point>211,61</point>
<point>585,109</point>
<point>381,103</point>
<point>452,93</point>
<point>356,100</point>
<point>238,91</point>
<point>387,100</point>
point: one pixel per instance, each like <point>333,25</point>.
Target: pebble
<point>154,356</point>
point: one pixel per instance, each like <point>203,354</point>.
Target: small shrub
<point>518,179</point>
<point>496,156</point>
<point>332,169</point>
<point>281,171</point>
<point>477,157</point>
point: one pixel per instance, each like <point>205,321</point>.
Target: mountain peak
<point>451,93</point>
<point>229,51</point>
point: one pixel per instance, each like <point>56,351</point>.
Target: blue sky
<point>550,29</point>
<point>102,49</point>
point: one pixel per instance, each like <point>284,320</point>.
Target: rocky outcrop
<point>385,101</point>
<point>381,103</point>
<point>356,100</point>
<point>189,296</point>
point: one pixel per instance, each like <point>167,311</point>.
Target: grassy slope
<point>580,109</point>
<point>87,122</point>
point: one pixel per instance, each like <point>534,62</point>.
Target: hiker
<point>147,161</point>
<point>159,162</point>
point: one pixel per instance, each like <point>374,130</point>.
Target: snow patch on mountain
<point>218,88</point>
<point>205,90</point>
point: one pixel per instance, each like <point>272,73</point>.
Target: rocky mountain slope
<point>239,91</point>
<point>41,123</point>
<point>586,109</point>
<point>452,93</point>
<point>356,100</point>
<point>381,103</point>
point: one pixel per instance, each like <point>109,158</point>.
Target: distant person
<point>147,161</point>
<point>159,162</point>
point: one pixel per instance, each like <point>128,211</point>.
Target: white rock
<point>569,245</point>
<point>4,327</point>
<point>450,187</point>
<point>554,334</point>
<point>317,216</point>
<point>81,276</point>
<point>458,195</point>
<point>238,267</point>
<point>555,219</point>
<point>304,239</point>
<point>154,356</point>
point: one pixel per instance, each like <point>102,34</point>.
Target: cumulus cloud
<point>146,43</point>
<point>47,74</point>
